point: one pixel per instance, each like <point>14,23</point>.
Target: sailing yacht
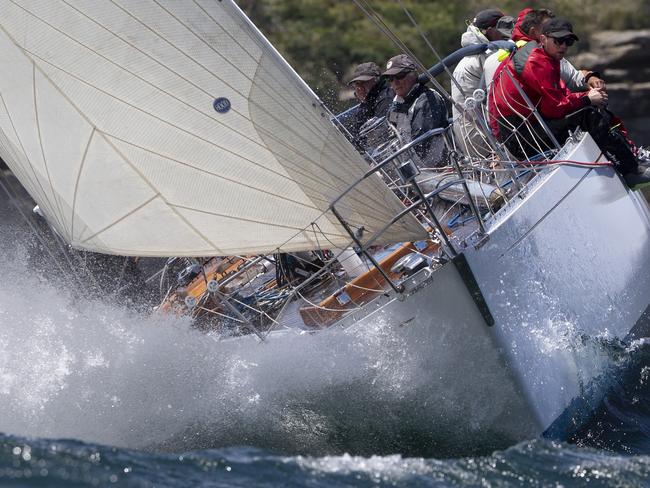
<point>176,129</point>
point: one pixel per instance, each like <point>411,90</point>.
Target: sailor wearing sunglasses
<point>415,110</point>
<point>537,71</point>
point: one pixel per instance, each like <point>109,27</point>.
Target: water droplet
<point>27,453</point>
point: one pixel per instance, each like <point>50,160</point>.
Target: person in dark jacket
<point>374,96</point>
<point>415,110</point>
<point>536,68</point>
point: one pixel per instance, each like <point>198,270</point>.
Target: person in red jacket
<point>536,69</point>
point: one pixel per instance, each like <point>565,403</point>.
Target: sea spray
<point>94,370</point>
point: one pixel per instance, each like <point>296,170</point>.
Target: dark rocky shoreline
<point>623,59</point>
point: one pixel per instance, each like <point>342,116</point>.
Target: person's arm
<point>467,76</point>
<point>429,112</point>
<point>572,78</point>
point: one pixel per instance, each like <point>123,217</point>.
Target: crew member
<point>488,25</point>
<point>527,29</point>
<point>415,110</point>
<point>374,95</point>
<point>537,71</point>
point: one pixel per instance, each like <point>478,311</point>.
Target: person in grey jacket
<point>415,110</point>
<point>488,25</point>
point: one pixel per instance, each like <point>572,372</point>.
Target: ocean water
<point>94,392</point>
<point>610,451</point>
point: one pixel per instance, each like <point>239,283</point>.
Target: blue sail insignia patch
<point>221,105</point>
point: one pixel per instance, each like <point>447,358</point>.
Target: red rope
<point>566,161</point>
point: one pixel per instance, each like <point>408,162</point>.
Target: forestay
<point>174,128</point>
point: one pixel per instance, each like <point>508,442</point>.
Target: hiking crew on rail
<point>536,71</point>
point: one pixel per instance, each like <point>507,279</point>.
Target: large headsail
<point>159,127</point>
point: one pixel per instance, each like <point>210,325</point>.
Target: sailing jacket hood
<point>517,33</point>
<point>540,78</point>
<point>472,35</point>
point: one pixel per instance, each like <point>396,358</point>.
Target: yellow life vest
<point>504,53</point>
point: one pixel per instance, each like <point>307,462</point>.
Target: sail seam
<point>216,146</point>
<point>362,202</point>
<point>125,159</point>
<point>35,181</point>
<point>314,129</point>
<point>339,151</point>
<point>76,184</point>
<point>356,200</point>
<point>79,111</point>
<point>205,171</point>
<point>128,214</point>
<point>153,187</point>
<point>260,131</point>
<point>234,217</point>
<point>305,107</point>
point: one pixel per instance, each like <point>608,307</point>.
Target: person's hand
<point>595,82</point>
<point>598,98</point>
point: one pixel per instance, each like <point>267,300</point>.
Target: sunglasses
<point>399,76</point>
<point>564,40</point>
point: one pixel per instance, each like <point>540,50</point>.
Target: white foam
<point>85,369</point>
<point>92,370</point>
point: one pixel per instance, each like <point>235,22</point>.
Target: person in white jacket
<point>488,25</point>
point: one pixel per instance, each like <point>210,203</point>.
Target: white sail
<point>170,127</point>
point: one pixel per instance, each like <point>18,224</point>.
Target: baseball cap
<point>399,64</point>
<point>365,72</point>
<point>505,25</point>
<point>559,27</point>
<point>487,18</point>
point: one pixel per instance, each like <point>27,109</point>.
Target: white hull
<point>563,270</point>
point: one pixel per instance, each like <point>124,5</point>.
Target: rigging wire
<point>377,19</point>
<point>434,51</point>
<point>13,198</point>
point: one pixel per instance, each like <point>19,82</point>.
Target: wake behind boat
<point>177,130</point>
